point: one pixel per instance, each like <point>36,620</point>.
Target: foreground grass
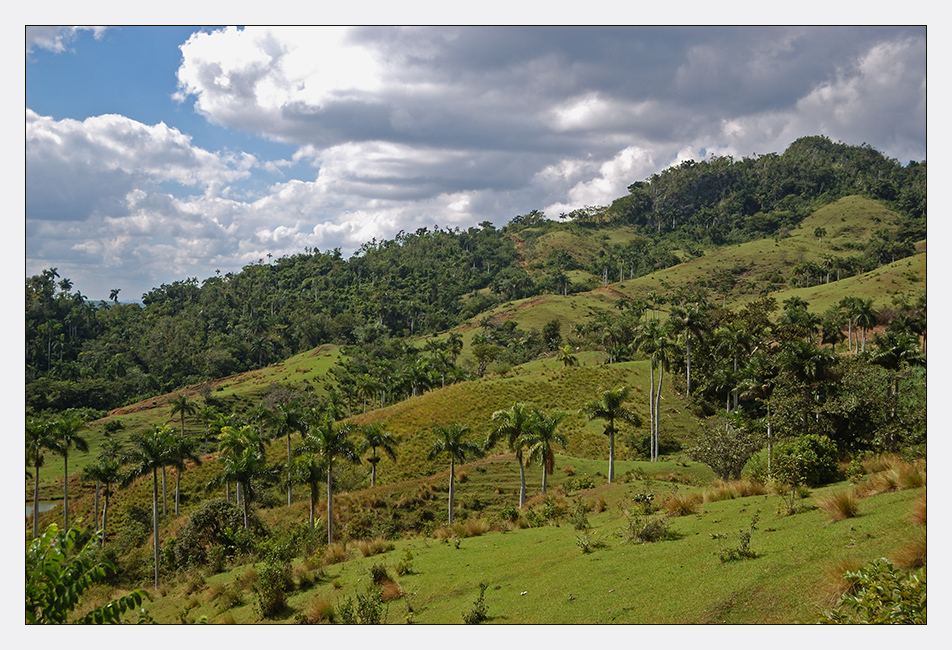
<point>540,575</point>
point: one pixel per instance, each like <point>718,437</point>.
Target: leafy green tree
<point>374,437</point>
<point>330,442</point>
<point>450,441</point>
<point>512,425</point>
<point>726,445</point>
<point>40,438</point>
<point>542,439</point>
<point>150,452</point>
<point>566,357</point>
<point>611,408</point>
<point>58,574</point>
<point>67,428</point>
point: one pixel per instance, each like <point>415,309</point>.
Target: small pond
<point>43,507</point>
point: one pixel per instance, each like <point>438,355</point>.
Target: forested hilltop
<point>103,355</point>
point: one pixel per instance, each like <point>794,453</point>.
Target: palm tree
<point>330,442</point>
<point>182,406</point>
<point>184,451</point>
<point>611,407</point>
<point>733,342</point>
<point>568,359</point>
<point>105,471</point>
<point>375,437</point>
<point>151,451</point>
<point>652,339</point>
<point>242,451</point>
<point>40,437</point>
<point>308,469</point>
<point>450,441</point>
<point>541,441</point>
<point>865,317</point>
<point>67,428</point>
<point>288,419</point>
<point>512,425</point>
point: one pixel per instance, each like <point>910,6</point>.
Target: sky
<point>154,154</point>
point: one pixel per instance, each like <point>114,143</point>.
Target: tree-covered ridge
<point>108,354</point>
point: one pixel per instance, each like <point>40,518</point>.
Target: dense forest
<point>101,355</point>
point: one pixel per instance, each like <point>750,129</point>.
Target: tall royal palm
<point>67,428</point>
<point>185,452</point>
<point>611,408</point>
<point>449,440</point>
<point>331,442</point>
<point>40,438</point>
<point>288,418</point>
<point>105,472</point>
<point>512,425</point>
<point>152,451</point>
<point>374,438</point>
<point>242,454</point>
<point>308,469</point>
<point>542,440</point>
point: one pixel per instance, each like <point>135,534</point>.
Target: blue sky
<point>159,153</point>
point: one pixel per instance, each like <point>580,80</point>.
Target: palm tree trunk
<point>36,499</point>
<point>522,481</point>
<point>611,453</point>
<point>290,489</point>
<point>452,477</point>
<point>105,511</point>
<point>155,523</point>
<point>688,346</point>
<point>313,502</point>
<point>165,499</point>
<point>656,442</point>
<point>178,480</point>
<point>544,473</point>
<point>65,490</point>
<point>330,507</point>
<point>96,506</point>
<point>373,473</point>
<point>244,511</point>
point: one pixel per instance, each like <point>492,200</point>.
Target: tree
<point>568,359</point>
<point>611,408</point>
<point>67,428</point>
<point>449,440</point>
<point>181,406</point>
<point>330,442</point>
<point>184,451</point>
<point>308,469</point>
<point>512,425</point>
<point>289,418</point>
<point>243,459</point>
<point>725,446</point>
<point>374,437</point>
<point>542,439</point>
<point>40,437</point>
<point>653,340</point>
<point>152,451</point>
<point>105,472</point>
<point>820,233</point>
<point>57,575</point>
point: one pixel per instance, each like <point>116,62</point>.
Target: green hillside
<point>791,368</point>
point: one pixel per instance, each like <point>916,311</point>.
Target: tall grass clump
<point>919,510</point>
<point>680,504</point>
<point>840,579</point>
<point>912,554</point>
<point>374,546</point>
<point>839,505</point>
<point>737,489</point>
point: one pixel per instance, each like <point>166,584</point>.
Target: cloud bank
<point>401,128</point>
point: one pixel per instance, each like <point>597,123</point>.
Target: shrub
<point>405,566</point>
<point>919,510</point>
<point>378,573</point>
<point>509,513</point>
<point>839,505</point>
<point>335,553</point>
<point>365,610</point>
<point>811,457</point>
<point>587,543</point>
<point>726,448</point>
<point>216,523</point>
<point>837,581</point>
<point>740,552</point>
<point>579,515</point>
<point>478,613</point>
<point>883,595</point>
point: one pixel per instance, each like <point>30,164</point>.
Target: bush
<point>478,613</point>
<point>809,459</point>
<point>216,523</point>
<point>271,587</point>
<point>726,448</point>
<point>883,595</point>
<point>365,610</point>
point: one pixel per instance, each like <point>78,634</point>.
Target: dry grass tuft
<point>919,510</point>
<point>725,490</point>
<point>374,546</point>
<point>444,532</point>
<point>680,504</point>
<point>390,590</point>
<point>336,553</point>
<point>880,463</point>
<point>835,584</point>
<point>599,505</point>
<point>839,505</point>
<point>321,611</point>
<point>912,554</point>
<point>899,476</point>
